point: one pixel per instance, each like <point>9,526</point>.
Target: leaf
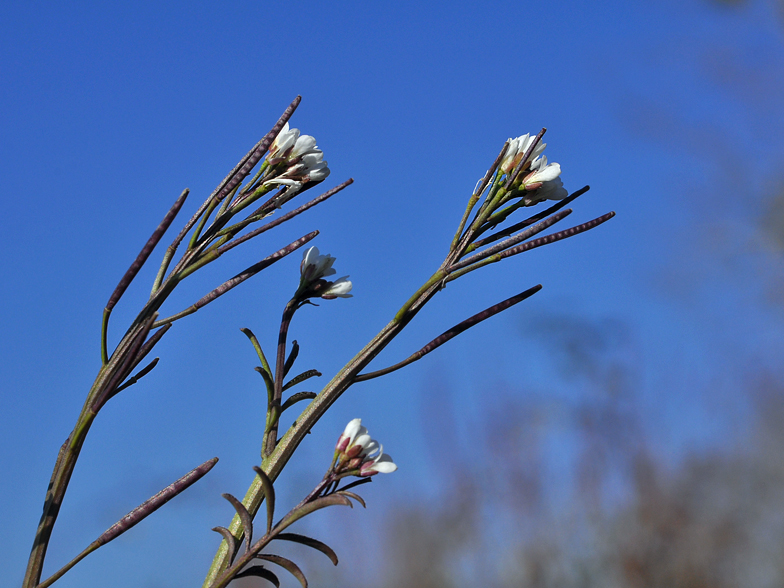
<point>294,398</point>
<point>264,374</point>
<point>247,522</point>
<point>139,375</point>
<point>259,572</point>
<point>310,542</point>
<point>301,378</point>
<point>255,342</point>
<point>356,483</point>
<point>289,565</point>
<point>268,383</point>
<point>317,504</point>
<point>230,539</point>
<point>356,497</point>
<point>155,502</point>
<point>292,356</point>
<point>269,495</point>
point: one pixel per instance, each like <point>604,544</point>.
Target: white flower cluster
<point>357,451</point>
<point>540,177</point>
<point>304,160</point>
<point>315,267</point>
<point>517,148</point>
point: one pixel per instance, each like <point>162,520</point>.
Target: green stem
<point>434,279</point>
<point>274,463</point>
<point>471,203</point>
<point>69,452</point>
<point>62,571</point>
<point>273,410</point>
<point>104,329</point>
<point>200,226</point>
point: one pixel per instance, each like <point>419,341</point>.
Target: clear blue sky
<point>669,110</point>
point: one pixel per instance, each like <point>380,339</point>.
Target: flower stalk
<point>501,185</point>
<point>206,244</point>
<point>237,211</point>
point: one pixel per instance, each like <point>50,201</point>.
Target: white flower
<point>544,182</point>
<point>282,143</point>
<point>315,266</point>
<point>313,269</point>
<point>541,171</point>
<point>353,430</point>
<point>359,452</point>
<point>340,288</point>
<point>382,464</point>
<point>552,190</point>
<point>517,148</point>
<point>304,159</point>
<point>375,461</point>
<point>304,144</point>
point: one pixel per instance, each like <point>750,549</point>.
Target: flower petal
<point>353,426</point>
<point>340,288</point>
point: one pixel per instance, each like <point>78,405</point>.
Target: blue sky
<point>669,110</point>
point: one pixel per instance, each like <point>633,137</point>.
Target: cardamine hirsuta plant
<point>243,206</point>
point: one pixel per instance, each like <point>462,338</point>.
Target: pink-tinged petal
<point>383,464</point>
<point>342,443</point>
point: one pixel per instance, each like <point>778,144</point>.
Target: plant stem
<point>273,410</point>
<point>274,463</point>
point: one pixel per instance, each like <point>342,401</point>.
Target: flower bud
<point>357,452</point>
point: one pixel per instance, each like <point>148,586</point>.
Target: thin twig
<point>239,278</point>
<point>137,264</point>
<point>230,180</point>
<point>137,515</point>
<point>286,217</point>
<point>547,239</point>
<point>477,193</point>
<point>453,332</point>
<point>527,234</point>
<point>529,221</point>
<point>273,410</point>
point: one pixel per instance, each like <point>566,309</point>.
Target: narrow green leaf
<point>301,378</point>
<point>294,398</point>
<point>356,483</point>
<point>356,497</point>
<point>289,565</point>
<point>268,383</point>
<point>259,572</point>
<point>310,542</point>
<point>317,504</point>
<point>247,522</point>
<point>269,495</point>
<point>230,539</point>
<point>255,342</point>
<point>292,356</point>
